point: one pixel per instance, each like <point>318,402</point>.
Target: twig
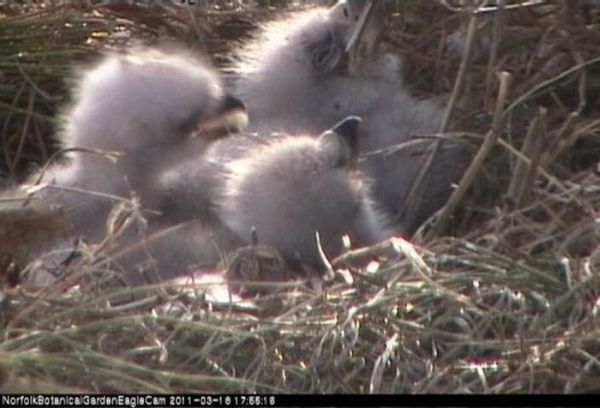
<point>490,140</point>
<point>24,130</point>
<point>530,93</point>
<point>524,174</point>
<point>558,142</point>
<point>5,140</point>
<point>359,254</point>
<point>496,38</point>
<point>38,180</point>
<point>421,181</point>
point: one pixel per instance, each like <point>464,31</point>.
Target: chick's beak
<point>229,117</point>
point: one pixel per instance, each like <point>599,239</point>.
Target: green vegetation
<point>505,298</point>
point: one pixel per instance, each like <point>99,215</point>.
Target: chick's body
<point>135,116</point>
<point>297,77</point>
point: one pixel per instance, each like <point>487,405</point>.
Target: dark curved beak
<point>229,117</point>
<point>231,103</point>
<point>348,130</point>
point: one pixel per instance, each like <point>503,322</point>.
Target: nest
<point>498,293</point>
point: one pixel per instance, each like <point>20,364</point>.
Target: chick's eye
<point>345,12</point>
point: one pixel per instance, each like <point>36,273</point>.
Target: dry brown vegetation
<point>499,293</point>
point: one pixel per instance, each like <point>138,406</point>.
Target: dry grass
<point>501,297</point>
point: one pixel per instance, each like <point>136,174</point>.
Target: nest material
<point>505,299</point>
